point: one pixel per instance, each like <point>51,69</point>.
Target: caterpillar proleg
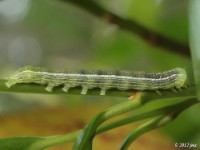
<point>104,79</point>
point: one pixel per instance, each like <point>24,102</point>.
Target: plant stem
<point>71,137</point>
<point>145,115</point>
<point>132,26</point>
<point>194,23</point>
<point>89,131</point>
<point>154,123</point>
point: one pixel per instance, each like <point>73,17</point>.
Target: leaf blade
<point>194,24</point>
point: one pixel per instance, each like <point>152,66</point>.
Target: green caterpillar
<point>103,79</point>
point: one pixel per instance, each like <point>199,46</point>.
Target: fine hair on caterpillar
<point>104,79</point>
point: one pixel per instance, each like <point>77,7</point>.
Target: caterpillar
<point>104,79</point>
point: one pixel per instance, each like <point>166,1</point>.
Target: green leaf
<point>18,143</point>
<point>148,126</point>
<point>36,143</point>
<point>194,25</point>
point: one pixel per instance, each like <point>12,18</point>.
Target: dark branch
<point>151,37</point>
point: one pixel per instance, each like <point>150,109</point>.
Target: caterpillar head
<point>181,78</point>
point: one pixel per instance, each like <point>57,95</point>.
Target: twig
<point>149,36</point>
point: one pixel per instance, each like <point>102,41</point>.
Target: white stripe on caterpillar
<point>103,79</point>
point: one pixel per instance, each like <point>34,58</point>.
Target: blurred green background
<point>58,35</point>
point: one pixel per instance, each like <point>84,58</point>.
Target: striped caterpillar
<point>103,79</point>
